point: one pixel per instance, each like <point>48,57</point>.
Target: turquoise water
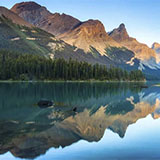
<point>112,121</point>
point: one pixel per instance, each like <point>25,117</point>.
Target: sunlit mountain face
<point>28,131</point>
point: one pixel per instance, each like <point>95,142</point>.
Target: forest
<point>27,67</point>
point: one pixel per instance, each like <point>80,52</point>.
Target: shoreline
<point>70,81</point>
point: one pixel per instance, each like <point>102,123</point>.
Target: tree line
<point>34,67</point>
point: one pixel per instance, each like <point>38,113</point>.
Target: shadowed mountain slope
<point>42,18</point>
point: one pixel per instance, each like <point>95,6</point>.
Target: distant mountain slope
<point>42,18</point>
<point>15,18</point>
<point>23,39</point>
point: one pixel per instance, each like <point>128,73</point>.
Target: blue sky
<point>141,17</point>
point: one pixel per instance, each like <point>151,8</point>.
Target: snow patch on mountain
<point>131,62</point>
<point>151,63</point>
<point>15,39</point>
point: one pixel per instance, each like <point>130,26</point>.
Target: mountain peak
<point>120,33</point>
<point>93,27</point>
<point>19,7</point>
<point>31,12</point>
<point>122,26</point>
<point>93,22</point>
<point>156,47</point>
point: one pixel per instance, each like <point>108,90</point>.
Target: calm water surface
<point>113,121</point>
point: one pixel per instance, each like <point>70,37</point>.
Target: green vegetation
<point>26,67</point>
<point>9,31</point>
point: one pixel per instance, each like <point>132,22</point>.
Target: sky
<point>141,17</point>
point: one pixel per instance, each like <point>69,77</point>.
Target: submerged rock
<point>45,103</point>
<point>75,109</point>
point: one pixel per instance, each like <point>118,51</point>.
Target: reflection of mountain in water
<point>28,131</point>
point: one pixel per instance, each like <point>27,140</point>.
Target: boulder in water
<point>45,103</point>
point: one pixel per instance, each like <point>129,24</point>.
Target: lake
<point>107,121</point>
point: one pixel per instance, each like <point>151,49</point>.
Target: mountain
<point>83,35</point>
<point>149,60</point>
<point>86,35</point>
<point>90,34</point>
<point>89,41</point>
<point>142,51</point>
<point>156,47</point>
<point>40,17</point>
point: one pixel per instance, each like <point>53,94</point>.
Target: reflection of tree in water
<point>61,92</point>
